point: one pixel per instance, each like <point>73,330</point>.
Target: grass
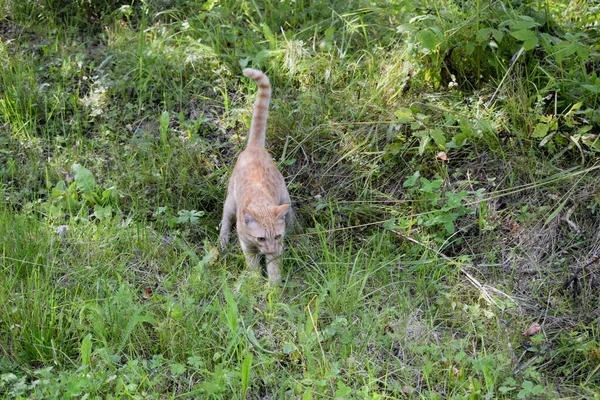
<point>443,206</point>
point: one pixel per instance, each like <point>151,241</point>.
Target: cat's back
<point>255,158</point>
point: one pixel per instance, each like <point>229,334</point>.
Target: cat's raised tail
<point>258,126</point>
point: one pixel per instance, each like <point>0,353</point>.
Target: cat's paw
<point>224,240</point>
<point>274,276</point>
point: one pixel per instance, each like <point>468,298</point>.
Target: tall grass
<point>444,193</point>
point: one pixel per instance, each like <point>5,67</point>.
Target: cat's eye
<point>277,237</point>
<point>260,239</point>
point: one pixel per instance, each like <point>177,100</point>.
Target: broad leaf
<point>84,179</point>
<point>529,38</point>
<point>540,130</point>
<point>483,34</point>
<point>428,39</point>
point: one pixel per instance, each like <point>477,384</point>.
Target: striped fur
<point>258,127</point>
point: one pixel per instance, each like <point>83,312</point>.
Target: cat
<point>257,197</point>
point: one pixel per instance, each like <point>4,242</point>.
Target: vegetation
<point>443,161</point>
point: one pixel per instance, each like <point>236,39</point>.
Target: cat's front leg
<point>252,256</point>
<point>229,209</point>
<point>273,267</point>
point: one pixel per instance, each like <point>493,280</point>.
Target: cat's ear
<point>249,217</point>
<point>281,210</point>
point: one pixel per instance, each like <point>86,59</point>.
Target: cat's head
<point>265,228</point>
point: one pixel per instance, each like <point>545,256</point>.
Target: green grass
<point>410,273</point>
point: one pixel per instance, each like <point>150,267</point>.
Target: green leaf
<point>438,137</point>
<point>522,35</point>
<point>527,385</point>
<point>540,130</point>
<point>342,391</point>
<point>505,389</point>
<point>469,48</point>
<point>110,195</point>
<point>269,36</point>
<point>406,28</point>
<point>537,389</point>
<point>428,186</point>
<point>289,348</point>
<point>510,381</point>
<point>195,361</point>
<point>591,88</point>
<point>583,52</point>
<point>189,217</point>
<point>84,179</point>
<point>307,394</point>
<point>428,39</point>
<point>177,369</point>
<point>457,141</point>
<point>404,115</point>
<point>546,139</point>
<point>424,141</point>
<point>206,260</point>
<point>327,42</point>
<point>522,25</point>
<point>530,43</point>
<point>449,226</point>
<point>529,38</point>
<point>232,309</point>
<point>498,35</point>
<point>246,369</point>
<point>412,180</point>
<point>76,386</point>
<point>261,56</point>
<point>86,349</point>
<point>163,121</point>
<point>176,311</point>
<point>392,148</point>
<point>483,34</point>
<point>465,127</point>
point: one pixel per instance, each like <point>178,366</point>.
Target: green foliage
<point>85,15</point>
<point>189,217</point>
<point>444,122</point>
<point>435,211</point>
<point>529,389</point>
<point>495,39</point>
<point>437,133</point>
<point>82,197</point>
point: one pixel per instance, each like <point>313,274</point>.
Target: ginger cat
<point>256,196</point>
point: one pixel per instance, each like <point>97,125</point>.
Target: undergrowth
<point>442,159</point>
